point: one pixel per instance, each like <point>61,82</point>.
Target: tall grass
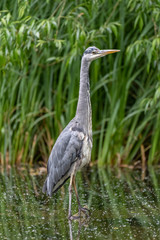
<point>41,47</point>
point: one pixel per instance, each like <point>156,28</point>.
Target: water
<point>122,206</point>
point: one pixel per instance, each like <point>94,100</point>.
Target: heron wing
<point>65,152</point>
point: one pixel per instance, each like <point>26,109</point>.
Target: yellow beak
<point>106,52</point>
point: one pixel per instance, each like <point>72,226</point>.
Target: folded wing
<point>65,152</point>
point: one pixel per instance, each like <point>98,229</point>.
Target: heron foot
<point>84,210</point>
<point>73,217</point>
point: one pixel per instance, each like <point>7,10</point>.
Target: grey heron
<point>72,150</point>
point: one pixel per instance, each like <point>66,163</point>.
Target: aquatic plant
<point>124,207</point>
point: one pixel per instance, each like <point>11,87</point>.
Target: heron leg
<point>76,192</point>
<point>81,209</point>
<point>70,196</point>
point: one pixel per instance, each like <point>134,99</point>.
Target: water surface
<point>122,206</point>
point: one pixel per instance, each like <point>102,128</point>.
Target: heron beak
<point>106,52</point>
<point>102,53</point>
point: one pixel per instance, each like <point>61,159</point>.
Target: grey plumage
<point>65,152</point>
<point>72,150</point>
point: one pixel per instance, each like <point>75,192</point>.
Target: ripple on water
<point>122,207</point>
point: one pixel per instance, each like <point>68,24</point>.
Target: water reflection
<point>122,206</point>
<point>82,222</point>
<point>71,231</point>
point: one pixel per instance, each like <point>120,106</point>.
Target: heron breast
<point>86,151</point>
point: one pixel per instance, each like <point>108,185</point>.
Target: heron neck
<point>83,113</point>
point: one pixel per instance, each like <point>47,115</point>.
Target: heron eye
<point>94,51</point>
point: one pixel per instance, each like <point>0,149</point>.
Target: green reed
<point>41,44</point>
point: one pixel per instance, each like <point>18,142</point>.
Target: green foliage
<point>41,45</point>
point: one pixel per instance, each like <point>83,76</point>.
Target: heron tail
<point>47,187</point>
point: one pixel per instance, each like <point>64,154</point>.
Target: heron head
<point>93,53</point>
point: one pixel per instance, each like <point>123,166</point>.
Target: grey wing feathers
<point>64,153</point>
